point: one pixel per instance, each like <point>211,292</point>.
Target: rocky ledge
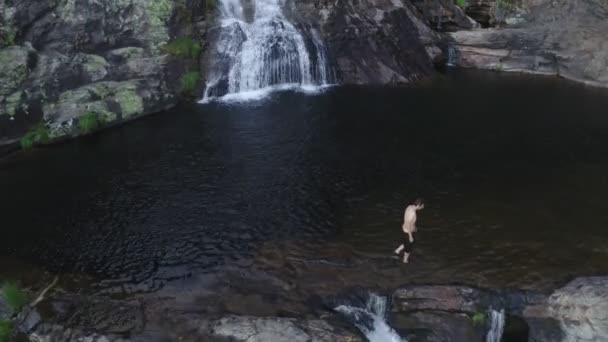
<point>575,312</point>
<point>564,38</point>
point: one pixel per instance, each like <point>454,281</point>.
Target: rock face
<point>562,37</point>
<point>62,59</point>
<point>581,308</point>
<point>384,41</point>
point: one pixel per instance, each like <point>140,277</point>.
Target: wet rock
<point>380,42</point>
<point>28,320</point>
<point>252,329</point>
<point>437,326</point>
<point>581,308</point>
<point>444,298</point>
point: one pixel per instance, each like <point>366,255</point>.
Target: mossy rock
<point>13,68</point>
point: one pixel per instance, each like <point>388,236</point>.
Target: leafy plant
<point>15,298</point>
<point>190,82</point>
<point>6,331</point>
<point>184,47</point>
<point>461,3</point>
<point>89,122</point>
<point>479,318</point>
<point>36,136</point>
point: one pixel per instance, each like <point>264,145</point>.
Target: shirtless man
<point>409,227</point>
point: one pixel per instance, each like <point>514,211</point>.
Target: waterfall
<point>452,56</point>
<point>258,48</point>
<point>371,320</point>
<point>497,325</point>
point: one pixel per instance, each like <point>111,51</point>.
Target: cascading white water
<point>452,56</point>
<point>497,326</point>
<point>263,49</point>
<point>371,320</point>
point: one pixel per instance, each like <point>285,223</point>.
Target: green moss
<point>38,135</point>
<point>158,13</point>
<point>183,47</point>
<point>461,3</point>
<point>14,297</point>
<point>190,82</point>
<point>128,99</point>
<point>89,122</point>
<point>13,68</point>
<point>6,331</point>
<point>479,318</point>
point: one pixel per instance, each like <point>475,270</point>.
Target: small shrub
<point>89,122</point>
<point>461,3</point>
<point>190,82</point>
<point>479,318</point>
<point>6,331</point>
<point>35,136</point>
<point>184,47</point>
<point>14,297</point>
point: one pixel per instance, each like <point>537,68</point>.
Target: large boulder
<point>580,308</point>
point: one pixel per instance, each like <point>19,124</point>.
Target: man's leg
<point>399,249</point>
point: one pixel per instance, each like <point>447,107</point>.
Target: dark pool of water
<point>310,189</point>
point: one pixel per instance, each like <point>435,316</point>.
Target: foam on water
<point>371,320</point>
<point>259,94</point>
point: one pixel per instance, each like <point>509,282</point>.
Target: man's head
<point>418,203</point>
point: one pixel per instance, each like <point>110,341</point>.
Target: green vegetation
<point>14,297</point>
<point>183,47</point>
<point>6,331</point>
<point>89,122</point>
<point>505,4</point>
<point>479,318</point>
<point>210,5</point>
<point>190,82</point>
<point>36,136</point>
<point>461,3</point>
